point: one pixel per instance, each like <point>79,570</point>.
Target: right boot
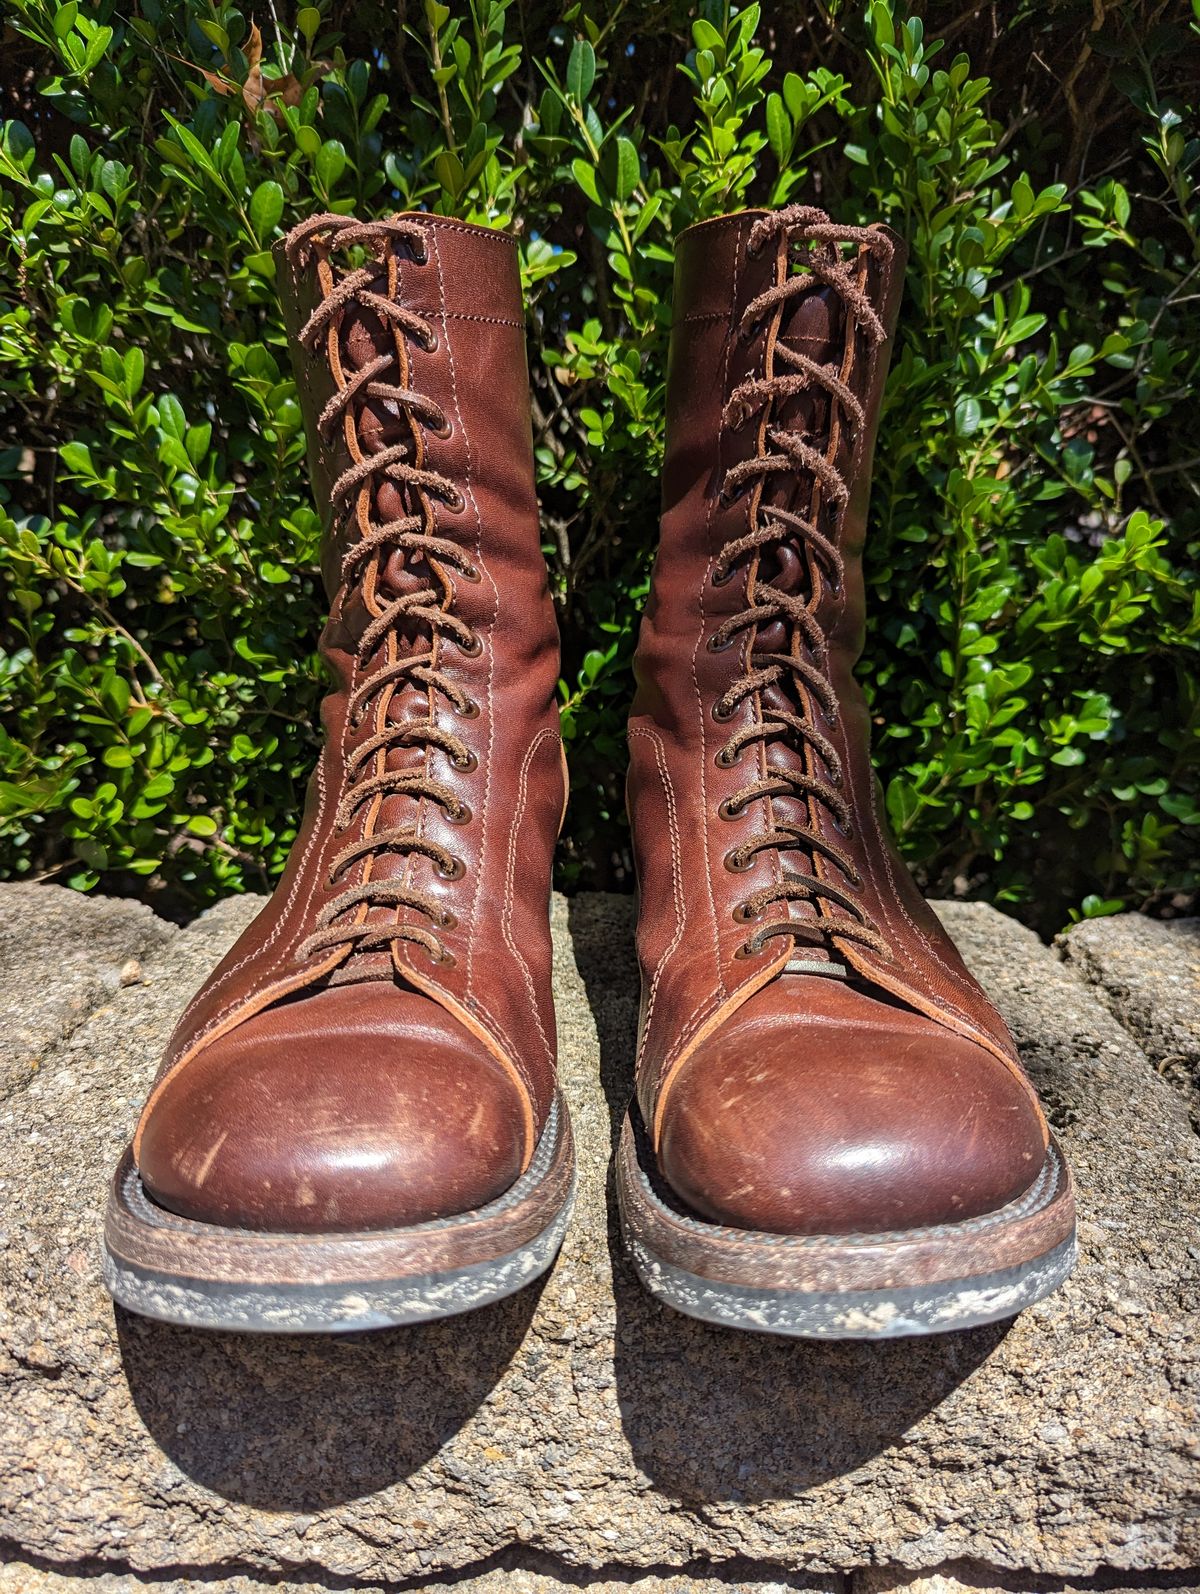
<point>356,1122</point>
<point>832,1134</point>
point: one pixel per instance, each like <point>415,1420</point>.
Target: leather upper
<point>439,1000</point>
<point>700,964</point>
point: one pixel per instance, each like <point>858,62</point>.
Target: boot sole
<point>861,1286</point>
<point>202,1275</point>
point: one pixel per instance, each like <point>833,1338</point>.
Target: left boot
<point>832,1133</point>
<point>357,1121</point>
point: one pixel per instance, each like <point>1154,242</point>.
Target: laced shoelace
<point>808,238</point>
<point>429,607</point>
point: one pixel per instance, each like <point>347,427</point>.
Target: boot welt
<point>205,1276</point>
<point>845,1286</point>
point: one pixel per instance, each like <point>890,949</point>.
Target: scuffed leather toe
<point>315,1117</point>
<point>847,1116</point>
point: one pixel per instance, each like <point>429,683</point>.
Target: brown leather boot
<point>832,1133</point>
<point>356,1122</point>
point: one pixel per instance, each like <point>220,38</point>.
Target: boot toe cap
<point>816,1127</point>
<point>350,1109</point>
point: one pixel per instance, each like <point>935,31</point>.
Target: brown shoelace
<point>809,239</point>
<point>428,607</point>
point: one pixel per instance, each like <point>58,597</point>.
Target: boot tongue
<point>813,326</point>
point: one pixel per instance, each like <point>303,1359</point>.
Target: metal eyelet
<point>743,915</point>
<point>455,872</point>
<point>473,648</point>
<point>419,253</point>
<point>748,950</point>
<point>731,808</point>
<point>846,832</point>
<point>446,920</point>
<point>443,956</point>
<point>429,342</point>
<point>445,430</point>
<point>732,863</point>
<point>719,580</point>
<point>461,815</point>
<point>467,764</point>
<point>722,715</point>
<point>472,573</point>
<point>725,759</point>
<point>455,505</point>
<point>714,646</point>
<point>469,711</point>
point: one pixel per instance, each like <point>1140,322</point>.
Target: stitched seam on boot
<point>708,520</point>
<point>470,995</point>
<point>676,878</point>
<point>206,989</point>
<point>510,876</point>
<point>955,979</point>
<point>469,492</point>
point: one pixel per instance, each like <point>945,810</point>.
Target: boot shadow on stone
<point>284,1423</point>
<point>714,1413</point>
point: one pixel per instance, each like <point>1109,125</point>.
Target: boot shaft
<point>442,763</point>
<point>721,345</point>
<point>749,736</point>
<point>432,306</point>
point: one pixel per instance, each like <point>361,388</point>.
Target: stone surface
<point>507,1576</point>
<point>61,954</point>
<point>1148,972</point>
<point>580,1424</point>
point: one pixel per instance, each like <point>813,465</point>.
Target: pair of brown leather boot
<point>357,1121</point>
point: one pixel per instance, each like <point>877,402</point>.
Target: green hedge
<point>1033,646</point>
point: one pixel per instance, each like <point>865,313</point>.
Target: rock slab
<point>61,954</point>
<point>580,1422</point>
<point>1147,971</point>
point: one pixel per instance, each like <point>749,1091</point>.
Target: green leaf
<point>581,70</point>
<point>779,129</point>
<point>628,169</point>
<point>266,207</point>
<point>585,177</point>
<point>330,163</point>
